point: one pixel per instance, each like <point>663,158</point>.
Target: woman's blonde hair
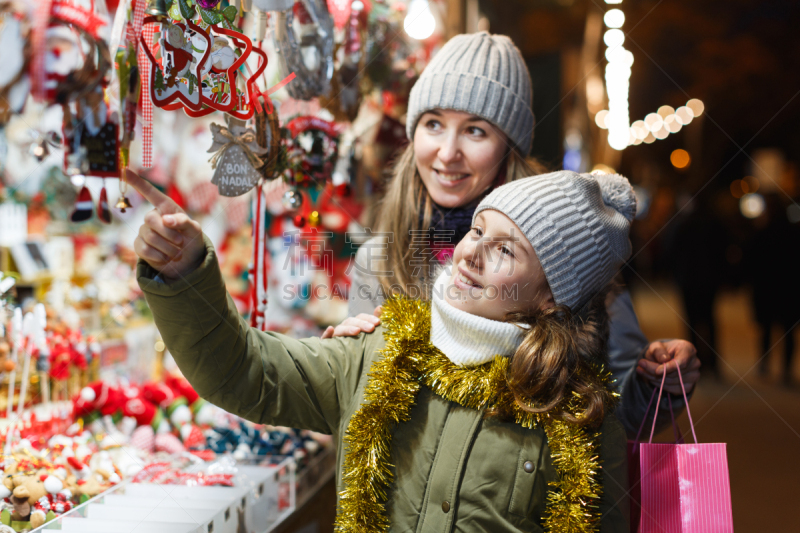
<point>406,210</point>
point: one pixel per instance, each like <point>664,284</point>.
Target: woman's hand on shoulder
<point>169,241</point>
<point>354,325</point>
<point>666,356</point>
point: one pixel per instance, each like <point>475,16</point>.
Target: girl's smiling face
<point>496,271</point>
<point>458,155</point>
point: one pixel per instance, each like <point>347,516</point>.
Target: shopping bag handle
<point>675,429</point>
<point>685,400</point>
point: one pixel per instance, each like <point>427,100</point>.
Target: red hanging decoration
<point>193,68</point>
<point>147,35</point>
<point>83,206</point>
<point>340,11</point>
<point>103,212</point>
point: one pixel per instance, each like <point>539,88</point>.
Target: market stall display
<point>183,499</point>
<point>266,114</point>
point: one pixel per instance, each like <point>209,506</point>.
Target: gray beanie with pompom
<point>578,226</point>
<point>481,74</point>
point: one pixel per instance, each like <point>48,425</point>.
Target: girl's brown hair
<point>559,358</point>
<point>406,210</point>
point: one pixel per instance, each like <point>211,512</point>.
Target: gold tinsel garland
<point>410,360</point>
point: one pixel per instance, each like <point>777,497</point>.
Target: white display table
<point>261,498</point>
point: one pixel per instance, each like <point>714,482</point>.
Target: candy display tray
<point>310,478</point>
<point>261,499</point>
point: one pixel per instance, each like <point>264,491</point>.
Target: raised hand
<point>169,241</point>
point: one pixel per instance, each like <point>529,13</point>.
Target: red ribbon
<point>265,94</point>
<point>68,12</point>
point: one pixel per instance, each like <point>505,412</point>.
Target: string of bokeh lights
<point>616,119</point>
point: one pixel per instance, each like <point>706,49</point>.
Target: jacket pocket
<point>525,490</point>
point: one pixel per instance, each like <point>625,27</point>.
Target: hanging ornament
<point>41,148</point>
<point>269,137</point>
<point>156,8</point>
<point>343,190</point>
<point>312,149</point>
<point>235,160</point>
<point>309,52</point>
<point>208,4</point>
<point>292,200</point>
<point>103,212</point>
<point>258,289</point>
<point>123,203</point>
<point>71,57</point>
<point>349,74</point>
<point>15,44</point>
<point>89,132</point>
<point>346,99</point>
<point>128,84</point>
<point>340,11</point>
<point>195,63</point>
<point>83,206</point>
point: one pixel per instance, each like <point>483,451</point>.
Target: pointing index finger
<point>163,203</point>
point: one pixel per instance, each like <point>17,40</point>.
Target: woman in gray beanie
<point>470,127</point>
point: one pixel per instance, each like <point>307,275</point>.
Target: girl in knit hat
<point>470,126</point>
<point>488,409</point>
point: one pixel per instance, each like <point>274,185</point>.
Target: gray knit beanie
<point>577,224</point>
<point>480,74</point>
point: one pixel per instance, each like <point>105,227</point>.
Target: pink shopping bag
<point>679,488</point>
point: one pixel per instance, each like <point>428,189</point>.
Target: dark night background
<point>741,58</point>
<point>700,269</point>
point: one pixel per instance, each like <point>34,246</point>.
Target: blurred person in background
<point>771,263</point>
<point>697,252</point>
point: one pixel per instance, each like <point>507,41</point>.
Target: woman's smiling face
<point>496,271</point>
<point>458,155</point>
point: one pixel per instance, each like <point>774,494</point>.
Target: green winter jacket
<point>454,469</point>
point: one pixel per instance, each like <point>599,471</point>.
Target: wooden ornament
<point>268,136</point>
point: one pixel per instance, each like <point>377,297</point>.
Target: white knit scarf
<point>467,339</point>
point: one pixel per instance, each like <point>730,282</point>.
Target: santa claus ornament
<point>70,55</point>
<point>69,63</point>
<point>195,59</point>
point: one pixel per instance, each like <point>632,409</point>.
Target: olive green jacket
<point>454,469</point>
